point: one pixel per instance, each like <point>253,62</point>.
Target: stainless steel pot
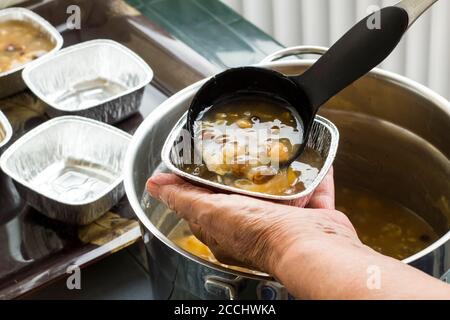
<point>413,168</point>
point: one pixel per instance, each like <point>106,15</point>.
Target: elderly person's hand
<point>314,252</point>
<point>249,232</point>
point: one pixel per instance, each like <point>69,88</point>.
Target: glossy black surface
<point>34,249</point>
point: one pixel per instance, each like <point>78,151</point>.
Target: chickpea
<point>233,116</point>
<point>244,124</point>
<point>221,122</point>
<point>275,129</point>
<point>208,135</point>
<point>260,175</point>
<point>222,139</point>
<point>278,149</point>
<point>229,152</point>
<point>221,116</point>
<point>238,170</point>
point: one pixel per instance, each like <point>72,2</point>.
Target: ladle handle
<point>361,49</point>
<point>415,8</point>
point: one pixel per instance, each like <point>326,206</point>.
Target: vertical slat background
<point>286,25</point>
<point>418,49</point>
<point>396,61</point>
<point>260,13</point>
<point>439,70</point>
<point>423,55</point>
<point>342,17</point>
<point>315,22</point>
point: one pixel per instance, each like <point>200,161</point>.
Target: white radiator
<point>423,55</point>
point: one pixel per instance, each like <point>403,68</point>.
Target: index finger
<point>183,198</point>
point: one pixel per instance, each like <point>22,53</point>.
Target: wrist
<point>299,255</point>
<point>304,267</point>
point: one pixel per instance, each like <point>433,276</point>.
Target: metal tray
<point>98,79</point>
<point>324,138</point>
<point>11,81</point>
<point>69,168</point>
<point>6,132</point>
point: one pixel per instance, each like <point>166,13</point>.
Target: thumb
<point>178,195</point>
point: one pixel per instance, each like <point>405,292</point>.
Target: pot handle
<point>294,51</point>
<point>221,287</point>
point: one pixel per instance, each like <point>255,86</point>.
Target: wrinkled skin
<point>238,229</point>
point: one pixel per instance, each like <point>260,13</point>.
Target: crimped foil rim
<point>56,36</point>
<point>32,67</point>
<point>32,133</point>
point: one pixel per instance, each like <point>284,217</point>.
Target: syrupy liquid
<point>245,141</point>
<point>20,43</point>
<point>383,224</point>
<point>182,236</point>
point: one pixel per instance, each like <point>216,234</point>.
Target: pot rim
<point>158,114</point>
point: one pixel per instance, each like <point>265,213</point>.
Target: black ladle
<point>361,49</point>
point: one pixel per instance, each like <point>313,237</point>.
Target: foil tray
<point>324,138</point>
<point>11,81</point>
<point>69,168</point>
<point>98,79</point>
<point>6,132</point>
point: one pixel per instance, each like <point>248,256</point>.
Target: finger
<point>201,234</point>
<point>198,205</point>
<point>197,232</point>
<point>323,197</point>
<point>224,257</point>
<point>180,196</point>
<point>213,245</point>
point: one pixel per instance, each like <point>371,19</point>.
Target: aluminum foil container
<point>324,138</point>
<point>69,168</point>
<point>99,79</point>
<point>11,81</point>
<point>6,132</point>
